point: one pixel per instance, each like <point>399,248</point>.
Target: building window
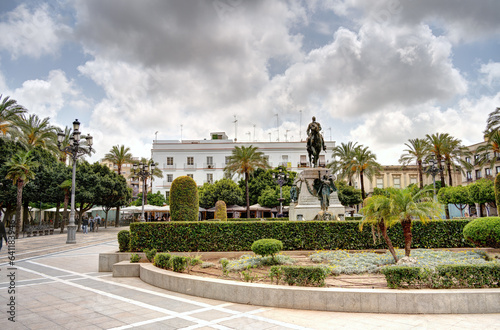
<point>170,177</point>
<point>167,196</point>
<point>469,175</point>
<point>467,159</point>
<point>396,182</point>
<point>497,169</point>
<point>210,160</point>
<point>413,180</point>
<point>190,160</point>
<point>487,171</point>
<point>478,174</point>
<point>210,178</point>
<point>476,159</point>
<point>303,161</point>
<point>170,161</point>
<point>190,175</point>
<point>380,183</point>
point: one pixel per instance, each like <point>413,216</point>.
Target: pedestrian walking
<point>85,224</point>
<point>3,234</point>
<point>97,220</point>
<point>91,223</point>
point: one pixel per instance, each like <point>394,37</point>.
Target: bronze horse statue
<point>315,142</point>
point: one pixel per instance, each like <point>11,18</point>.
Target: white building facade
<point>204,160</point>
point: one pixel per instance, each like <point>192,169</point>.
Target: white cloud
<point>491,72</point>
<point>31,32</point>
<point>48,97</point>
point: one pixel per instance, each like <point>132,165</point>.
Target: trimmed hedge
<point>184,202</point>
<point>444,276</point>
<point>484,232</point>
<point>124,240</point>
<point>295,235</point>
<point>299,275</point>
<point>267,247</point>
<point>220,211</point>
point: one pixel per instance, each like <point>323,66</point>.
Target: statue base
<point>308,206</point>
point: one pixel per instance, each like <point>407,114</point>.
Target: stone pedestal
<point>308,205</point>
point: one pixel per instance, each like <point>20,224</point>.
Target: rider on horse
<point>315,142</point>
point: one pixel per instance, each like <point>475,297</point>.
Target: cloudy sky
<point>375,72</point>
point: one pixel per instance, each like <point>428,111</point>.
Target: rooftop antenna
<point>249,136</point>
<point>156,136</point>
<point>254,132</point>
<point>235,129</point>
<point>330,129</point>
<point>181,132</point>
<point>300,130</point>
<point>278,126</point>
<point>286,135</point>
<point>270,137</point>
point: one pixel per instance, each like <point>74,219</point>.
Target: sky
<point>373,72</point>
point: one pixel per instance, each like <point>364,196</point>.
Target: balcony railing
<point>209,166</point>
<point>189,166</point>
<point>169,166</point>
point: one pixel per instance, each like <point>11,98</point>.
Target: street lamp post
<point>75,150</point>
<point>143,171</point>
<point>433,170</point>
<point>281,179</point>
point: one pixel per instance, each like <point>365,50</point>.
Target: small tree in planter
<point>267,247</point>
<point>184,203</point>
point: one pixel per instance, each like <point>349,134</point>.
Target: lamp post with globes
<point>433,170</point>
<point>143,171</point>
<point>281,179</point>
<point>75,150</point>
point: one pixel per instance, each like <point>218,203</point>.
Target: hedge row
<point>295,235</point>
<point>444,276</point>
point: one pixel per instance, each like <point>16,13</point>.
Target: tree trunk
<point>420,174</point>
<point>106,218</point>
<point>383,230</point>
<point>65,212</point>
<point>441,170</point>
<point>407,235</point>
<point>450,180</point>
<point>56,219</point>
<point>117,217</point>
<point>19,205</point>
<point>363,195</point>
<point>248,195</point>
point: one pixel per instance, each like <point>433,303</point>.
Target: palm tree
<point>66,186</point>
<point>38,132</point>
<point>364,163</point>
<point>409,204</point>
<point>157,173</point>
<point>492,146</point>
<point>417,150</point>
<point>493,122</point>
<point>10,113</point>
<point>438,142</point>
<point>20,171</point>
<point>377,212</point>
<point>68,133</point>
<point>453,154</point>
<point>244,161</point>
<point>119,155</point>
<point>345,154</point>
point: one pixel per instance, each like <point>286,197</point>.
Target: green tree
<point>222,190</point>
<point>482,192</point>
<point>364,164</point>
<point>269,197</point>
<point>345,153</point>
<point>220,211</point>
<point>417,150</point>
<point>485,151</point>
<point>119,155</point>
<point>409,204</point>
<point>38,132</point>
<point>348,195</point>
<point>493,121</point>
<point>65,186</point>
<point>20,171</point>
<point>244,161</point>
<point>454,153</point>
<point>458,196</point>
<point>438,144</point>
<point>10,115</point>
<point>378,213</point>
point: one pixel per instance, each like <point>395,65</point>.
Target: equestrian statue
<point>315,142</point>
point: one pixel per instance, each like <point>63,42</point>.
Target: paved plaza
<point>55,285</point>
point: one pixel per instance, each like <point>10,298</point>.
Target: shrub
<point>184,203</point>
<point>484,232</point>
<point>296,235</point>
<point>220,211</point>
<point>179,263</point>
<point>497,192</point>
<point>163,260</point>
<point>124,240</point>
<point>134,257</point>
<point>267,247</point>
<point>405,276</point>
<point>299,275</point>
<point>150,254</point>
